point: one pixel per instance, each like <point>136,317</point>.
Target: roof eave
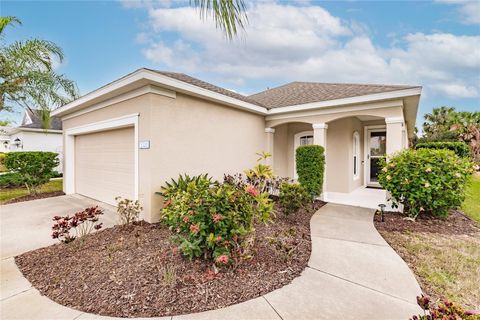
<point>403,93</point>
<point>143,77</point>
<point>19,129</point>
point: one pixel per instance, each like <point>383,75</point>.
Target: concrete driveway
<point>25,226</point>
<point>352,273</point>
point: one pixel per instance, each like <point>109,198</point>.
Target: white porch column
<point>269,145</point>
<point>320,134</point>
<point>320,138</point>
<point>395,134</point>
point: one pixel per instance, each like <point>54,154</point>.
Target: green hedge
<point>11,180</point>
<point>461,149</point>
<point>34,168</point>
<point>310,161</point>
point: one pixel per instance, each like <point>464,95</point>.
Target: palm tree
<point>27,76</point>
<point>438,122</point>
<point>227,14</point>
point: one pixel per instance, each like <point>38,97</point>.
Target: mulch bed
<point>455,224</point>
<point>36,196</point>
<point>133,271</point>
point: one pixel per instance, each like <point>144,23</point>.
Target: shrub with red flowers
<point>442,310</point>
<point>83,222</point>
<point>212,220</point>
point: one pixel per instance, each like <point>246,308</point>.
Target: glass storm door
<point>377,149</point>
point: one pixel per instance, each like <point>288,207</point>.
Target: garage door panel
<point>104,164</point>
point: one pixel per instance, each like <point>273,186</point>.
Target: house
<point>30,135</point>
<point>4,138</point>
<point>130,136</point>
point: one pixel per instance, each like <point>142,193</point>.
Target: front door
<point>376,150</point>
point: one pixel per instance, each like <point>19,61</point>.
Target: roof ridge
<point>277,87</point>
<point>357,84</point>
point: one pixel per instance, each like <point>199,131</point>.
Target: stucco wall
<point>339,158</point>
<point>194,136</point>
<point>280,151</point>
<point>187,135</point>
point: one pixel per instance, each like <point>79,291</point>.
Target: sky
<point>432,44</point>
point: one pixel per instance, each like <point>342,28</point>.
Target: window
<point>356,154</point>
<point>306,140</point>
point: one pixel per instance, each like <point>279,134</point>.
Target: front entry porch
<point>364,197</point>
<point>354,145</point>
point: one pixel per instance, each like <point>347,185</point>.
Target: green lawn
<point>9,194</point>
<point>471,205</point>
<point>446,265</point>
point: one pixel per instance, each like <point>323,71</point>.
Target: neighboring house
<point>130,136</point>
<point>30,136</point>
<point>4,138</point>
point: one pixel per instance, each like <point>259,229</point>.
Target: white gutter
<point>18,129</point>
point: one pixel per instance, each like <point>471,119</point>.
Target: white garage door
<point>104,165</point>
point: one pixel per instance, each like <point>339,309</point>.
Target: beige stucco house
<point>130,136</point>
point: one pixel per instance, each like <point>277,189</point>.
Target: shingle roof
<point>35,116</point>
<point>295,93</point>
<point>205,85</point>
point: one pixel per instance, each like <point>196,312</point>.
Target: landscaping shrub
<point>270,185</point>
<point>34,168</point>
<point>310,162</point>
<point>180,185</point>
<point>461,149</point>
<point>2,164</point>
<point>444,309</point>
<point>260,175</point>
<point>82,222</point>
<point>426,180</point>
<point>213,220</point>
<point>56,174</point>
<point>11,180</point>
<point>128,210</point>
<point>293,197</point>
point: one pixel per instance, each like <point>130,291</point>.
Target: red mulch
<point>455,224</point>
<point>36,196</point>
<point>132,272</point>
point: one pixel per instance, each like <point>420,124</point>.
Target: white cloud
<point>456,90</point>
<point>287,43</point>
<point>468,9</point>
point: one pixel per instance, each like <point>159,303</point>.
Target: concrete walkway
<point>352,273</point>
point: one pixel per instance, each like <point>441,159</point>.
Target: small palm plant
<point>261,173</point>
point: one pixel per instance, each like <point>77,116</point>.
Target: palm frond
<point>8,20</point>
<point>229,15</point>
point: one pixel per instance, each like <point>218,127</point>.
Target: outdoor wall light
<point>18,143</point>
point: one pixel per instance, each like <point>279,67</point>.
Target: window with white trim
<point>306,140</point>
<point>356,155</point>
